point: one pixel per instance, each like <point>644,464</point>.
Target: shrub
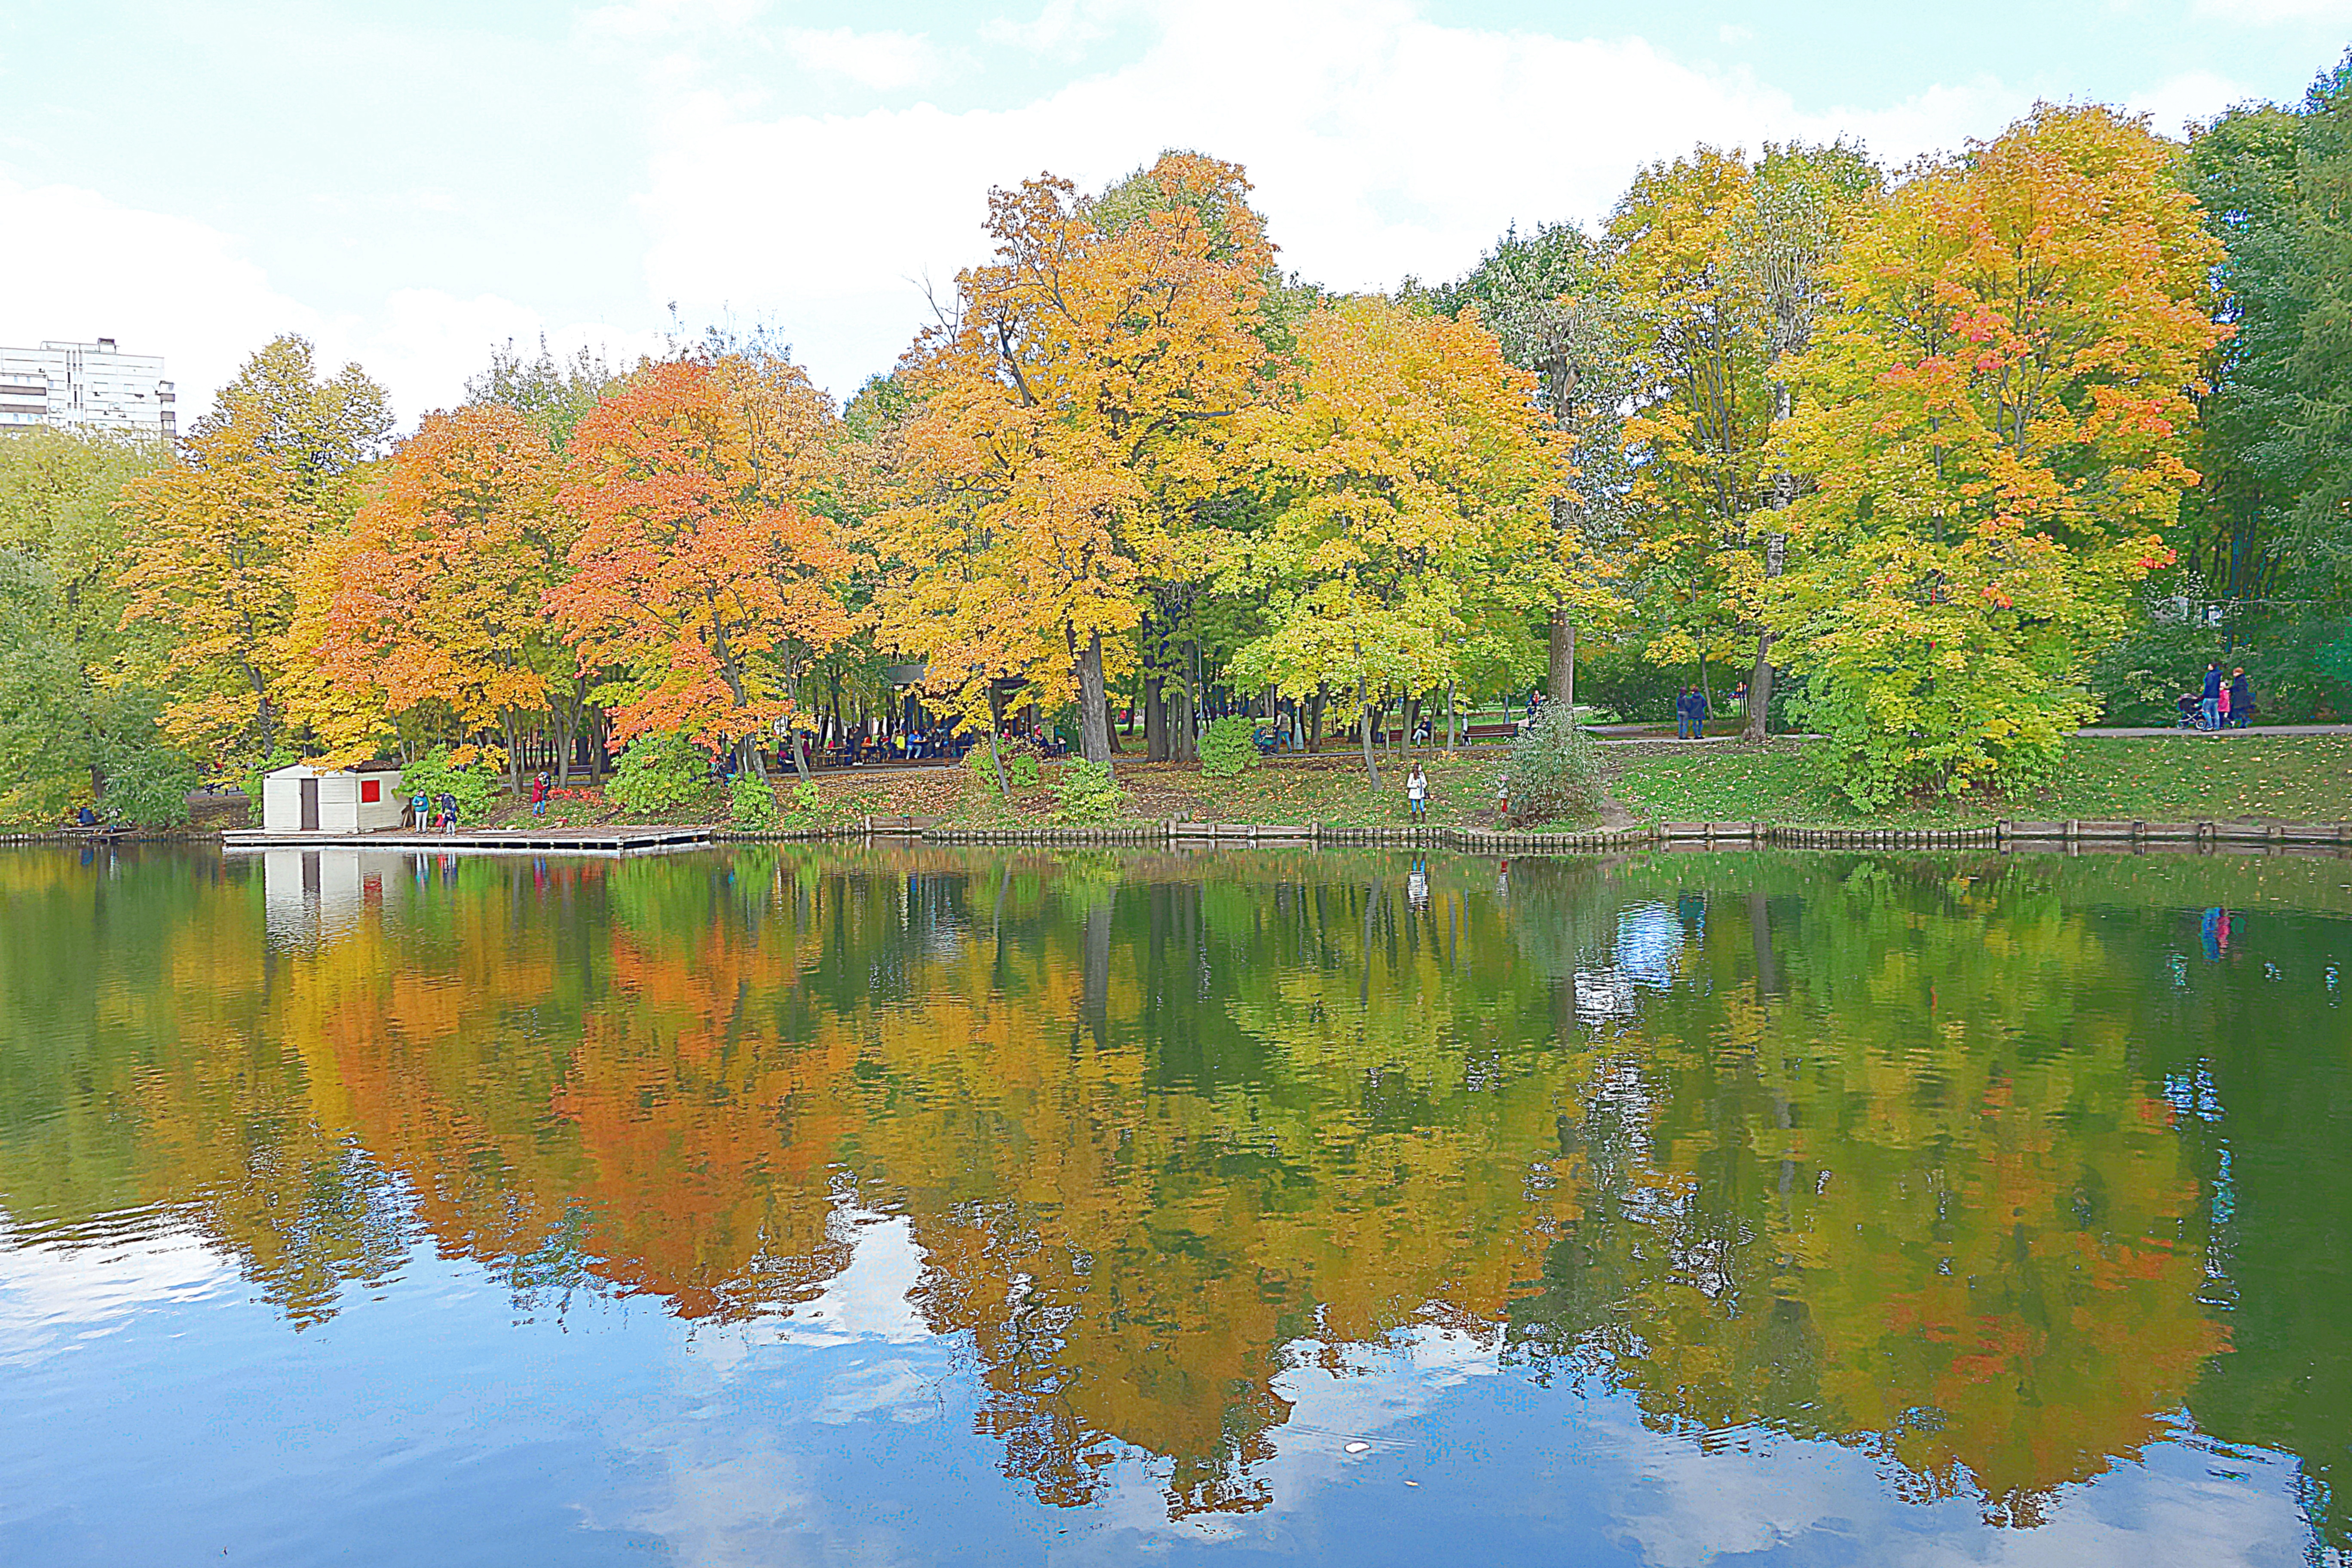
<point>1085,792</point>
<point>149,786</point>
<point>658,772</point>
<point>250,781</point>
<point>751,803</point>
<point>436,775</point>
<point>808,805</point>
<point>1229,746</point>
<point>1020,759</point>
<point>1555,768</point>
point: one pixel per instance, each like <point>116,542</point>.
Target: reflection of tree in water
<point>1958,1232</point>
<point>1876,1155</point>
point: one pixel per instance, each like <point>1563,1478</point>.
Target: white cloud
<point>2265,11</point>
<point>1059,28</point>
<point>2172,103</point>
<point>78,266</point>
<point>423,343</point>
<point>883,62</point>
<point>1382,144</point>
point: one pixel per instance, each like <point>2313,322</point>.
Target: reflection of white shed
<point>304,799</point>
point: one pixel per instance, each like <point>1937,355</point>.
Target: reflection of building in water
<point>309,896</point>
<point>1645,956</point>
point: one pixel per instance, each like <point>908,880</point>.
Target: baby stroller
<point>2190,716</point>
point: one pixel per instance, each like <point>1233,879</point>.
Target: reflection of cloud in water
<point>1379,1389</point>
<point>870,1299</point>
<point>1645,956</point>
<point>52,1297</point>
<point>1681,1507</point>
<point>739,1490</point>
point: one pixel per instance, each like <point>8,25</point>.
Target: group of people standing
<point>1690,714</point>
<point>2226,702</point>
<point>432,815</point>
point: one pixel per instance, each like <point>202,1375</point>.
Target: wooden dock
<point>484,841</point>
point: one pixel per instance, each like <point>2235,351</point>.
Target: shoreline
<point>2070,836</point>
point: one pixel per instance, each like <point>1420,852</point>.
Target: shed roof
<point>317,770</point>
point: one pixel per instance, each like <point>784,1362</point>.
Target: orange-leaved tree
<point>708,566</point>
<point>1990,420</point>
<point>432,612</point>
<point>1074,415</point>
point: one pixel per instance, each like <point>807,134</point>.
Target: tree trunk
<point>1449,716</point>
<point>1561,683</point>
<point>1183,738</point>
<point>1094,705</point>
<point>1759,680</point>
<point>1364,722</point>
<point>1110,726</point>
<point>1003,784</point>
<point>1314,717</point>
<point>1155,719</point>
<point>800,761</point>
<point>514,759</point>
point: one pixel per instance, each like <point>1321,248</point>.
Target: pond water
<point>842,1206</point>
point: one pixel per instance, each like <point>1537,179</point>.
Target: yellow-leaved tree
<point>1409,486</point>
<point>1074,415</point>
<point>1991,423</point>
<point>272,469</point>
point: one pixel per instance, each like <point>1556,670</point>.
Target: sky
<point>410,185</point>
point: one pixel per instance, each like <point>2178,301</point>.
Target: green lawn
<point>2193,778</point>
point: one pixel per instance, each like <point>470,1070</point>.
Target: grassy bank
<point>1330,788</point>
<point>2289,778</point>
<point>2298,778</point>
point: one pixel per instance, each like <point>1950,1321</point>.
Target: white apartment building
<point>86,383</point>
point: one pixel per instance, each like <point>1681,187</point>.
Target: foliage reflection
<point>1979,1167</point>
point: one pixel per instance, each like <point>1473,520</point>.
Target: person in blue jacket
<point>2209,706</point>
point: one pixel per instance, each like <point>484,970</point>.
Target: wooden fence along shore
<point>2070,838</point>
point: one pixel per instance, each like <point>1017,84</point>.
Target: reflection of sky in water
<point>1645,955</point>
<point>619,1431</point>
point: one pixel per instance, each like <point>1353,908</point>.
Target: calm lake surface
<point>870,1207</point>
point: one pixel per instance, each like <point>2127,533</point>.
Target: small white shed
<point>306,799</point>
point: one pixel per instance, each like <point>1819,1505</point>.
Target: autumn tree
<point>1074,408</point>
<point>1801,202</point>
<point>274,466</point>
<point>1700,412</point>
<point>1990,422</point>
<point>70,726</point>
<point>2266,539</point>
<point>1553,301</point>
<point>1409,485</point>
<point>706,566</point>
<point>433,608</point>
<point>553,395</point>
